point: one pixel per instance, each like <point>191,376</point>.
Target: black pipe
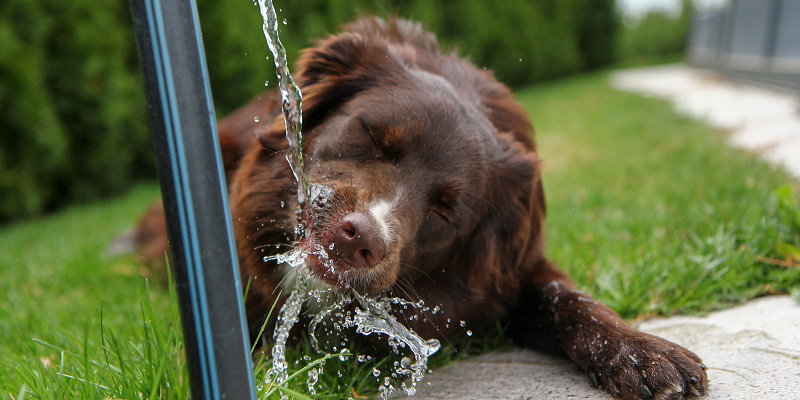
<point>203,256</point>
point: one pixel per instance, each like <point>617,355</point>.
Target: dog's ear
<point>332,72</point>
<point>367,51</point>
<point>338,57</point>
<point>512,231</point>
<point>341,66</point>
<point>517,185</point>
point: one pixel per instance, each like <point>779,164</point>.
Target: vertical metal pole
<point>726,32</point>
<point>195,198</point>
<point>771,38</point>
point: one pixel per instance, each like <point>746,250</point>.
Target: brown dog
<point>436,196</point>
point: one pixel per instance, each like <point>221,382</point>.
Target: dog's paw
<point>648,367</point>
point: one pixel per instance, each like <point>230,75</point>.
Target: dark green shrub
<point>73,120</point>
<point>597,32</point>
<point>33,139</point>
<point>551,37</point>
<point>71,105</point>
<point>657,37</point>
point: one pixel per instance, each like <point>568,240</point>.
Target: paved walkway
<point>752,351</point>
<point>760,120</point>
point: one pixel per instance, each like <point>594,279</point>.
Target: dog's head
<point>423,175</point>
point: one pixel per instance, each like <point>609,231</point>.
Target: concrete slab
<point>759,120</point>
<point>752,352</point>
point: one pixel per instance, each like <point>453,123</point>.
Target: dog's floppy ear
<point>339,67</point>
<point>332,72</point>
<point>337,57</point>
<point>326,74</point>
<point>512,231</point>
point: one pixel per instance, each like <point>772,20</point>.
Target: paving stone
<point>760,120</point>
<point>752,353</point>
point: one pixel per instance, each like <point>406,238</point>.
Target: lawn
<point>647,209</point>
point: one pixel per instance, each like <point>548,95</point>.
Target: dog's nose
<point>358,241</point>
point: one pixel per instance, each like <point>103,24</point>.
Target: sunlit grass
<point>648,210</point>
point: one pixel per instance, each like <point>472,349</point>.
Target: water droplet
<point>313,376</point>
<point>462,323</point>
<point>469,332</point>
<point>520,60</point>
<point>284,21</point>
<point>376,372</point>
<point>410,390</point>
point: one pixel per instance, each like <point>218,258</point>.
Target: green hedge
<point>72,113</point>
<point>73,121</point>
<point>522,41</point>
<point>657,37</point>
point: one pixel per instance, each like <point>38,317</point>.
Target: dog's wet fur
<point>437,196</point>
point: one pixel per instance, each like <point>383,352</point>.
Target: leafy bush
<point>522,41</point>
<point>657,37</point>
<point>72,111</point>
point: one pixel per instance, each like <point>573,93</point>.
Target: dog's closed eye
<point>361,144</point>
<point>444,203</point>
<point>444,216</point>
<point>379,154</point>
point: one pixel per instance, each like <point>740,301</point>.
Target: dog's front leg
<point>627,363</point>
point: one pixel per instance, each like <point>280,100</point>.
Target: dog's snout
<point>358,241</point>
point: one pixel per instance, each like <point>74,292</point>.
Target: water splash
<point>287,318</point>
<point>374,316</point>
<point>320,317</point>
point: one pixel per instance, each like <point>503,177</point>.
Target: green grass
<point>71,319</point>
<point>649,211</point>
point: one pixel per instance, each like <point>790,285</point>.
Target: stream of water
<point>372,315</point>
<point>291,100</point>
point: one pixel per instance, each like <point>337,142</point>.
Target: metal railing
<point>754,40</point>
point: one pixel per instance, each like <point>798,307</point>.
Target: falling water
<point>374,315</point>
<point>288,316</point>
<point>291,100</point>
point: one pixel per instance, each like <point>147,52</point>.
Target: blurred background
<point>73,122</point>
